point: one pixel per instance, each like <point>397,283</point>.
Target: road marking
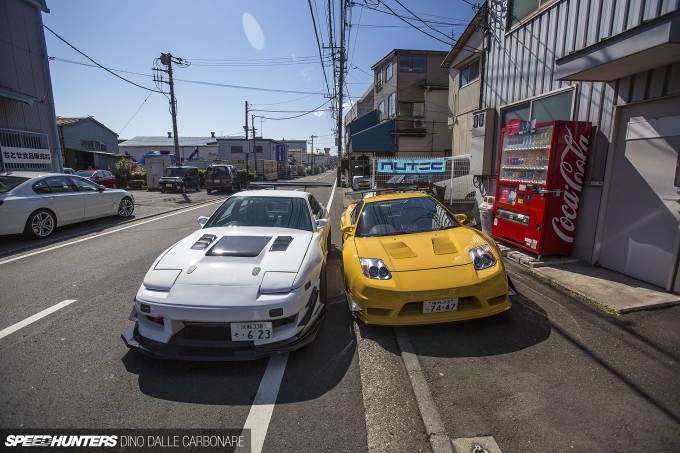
<point>38,252</point>
<point>330,202</point>
<point>263,406</point>
<point>30,320</point>
<point>261,411</point>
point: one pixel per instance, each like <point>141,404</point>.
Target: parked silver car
<point>37,203</point>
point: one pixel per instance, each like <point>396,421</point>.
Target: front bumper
<point>179,348</point>
<point>203,333</point>
<point>399,302</point>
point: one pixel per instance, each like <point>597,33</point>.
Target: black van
<point>220,176</point>
<point>179,178</point>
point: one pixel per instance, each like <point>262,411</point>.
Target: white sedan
<point>250,283</point>
<point>37,203</point>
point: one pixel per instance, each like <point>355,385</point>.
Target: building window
<point>237,149</point>
<point>378,79</point>
<point>381,111</point>
<point>91,145</point>
<point>554,107</point>
<point>258,149</point>
<point>412,63</point>
<point>414,109</point>
<point>388,71</point>
<point>519,9</point>
<point>391,105</point>
<point>469,73</point>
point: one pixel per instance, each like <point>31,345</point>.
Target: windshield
<point>217,172</point>
<point>406,215</point>
<point>277,212</point>
<point>8,183</point>
<point>174,172</point>
<point>86,173</point>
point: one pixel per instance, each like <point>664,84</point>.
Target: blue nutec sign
<point>411,166</point>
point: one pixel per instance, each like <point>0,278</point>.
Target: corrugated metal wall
<point>521,63</point>
<point>23,69</point>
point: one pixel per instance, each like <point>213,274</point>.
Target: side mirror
<point>321,223</point>
<point>100,187</point>
<point>461,218</point>
<point>202,221</point>
<point>347,229</point>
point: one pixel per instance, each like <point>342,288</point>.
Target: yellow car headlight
<point>375,268</point>
<point>482,258</point>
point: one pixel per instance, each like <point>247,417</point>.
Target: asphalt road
<point>552,375</point>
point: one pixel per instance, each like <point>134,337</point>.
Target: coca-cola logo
<point>564,226</point>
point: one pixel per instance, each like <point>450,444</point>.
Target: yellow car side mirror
<point>347,229</point>
<point>461,218</point>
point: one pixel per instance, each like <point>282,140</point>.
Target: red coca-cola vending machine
<point>540,176</point>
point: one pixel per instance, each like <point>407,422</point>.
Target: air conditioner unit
<point>419,124</point>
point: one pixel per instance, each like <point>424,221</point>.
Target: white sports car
<point>250,283</point>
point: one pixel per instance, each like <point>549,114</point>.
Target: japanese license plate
<point>168,185</point>
<point>251,331</point>
<point>437,306</point>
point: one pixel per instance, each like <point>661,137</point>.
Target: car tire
<point>162,190</point>
<point>40,224</point>
<point>209,191</point>
<point>126,207</point>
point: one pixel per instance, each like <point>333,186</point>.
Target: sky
<point>261,51</point>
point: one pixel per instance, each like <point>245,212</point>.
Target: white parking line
<point>263,405</point>
<point>21,324</point>
<point>16,258</point>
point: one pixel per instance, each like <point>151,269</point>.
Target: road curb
<point>437,435</point>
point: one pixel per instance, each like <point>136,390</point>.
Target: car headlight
<point>375,268</point>
<point>482,258</point>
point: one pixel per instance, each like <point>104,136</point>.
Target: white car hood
<point>238,258</point>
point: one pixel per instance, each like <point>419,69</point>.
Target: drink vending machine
<point>540,177</point>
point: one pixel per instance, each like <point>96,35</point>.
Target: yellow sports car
<point>408,260</point>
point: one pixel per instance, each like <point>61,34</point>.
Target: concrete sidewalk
<point>610,290</point>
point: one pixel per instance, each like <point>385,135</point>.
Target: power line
<point>318,45</point>
<point>135,114</point>
<point>404,20</point>
<point>297,116</point>
<point>311,93</point>
<point>106,69</point>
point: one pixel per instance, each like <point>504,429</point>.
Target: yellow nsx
<point>408,260</point>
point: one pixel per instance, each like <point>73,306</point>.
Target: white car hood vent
<point>203,242</point>
<point>281,243</point>
<point>242,246</point>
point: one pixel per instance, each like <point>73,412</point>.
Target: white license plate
<point>438,306</point>
<point>251,331</point>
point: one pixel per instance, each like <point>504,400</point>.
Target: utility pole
<point>341,75</point>
<point>167,60</point>
<point>252,120</point>
<point>245,128</point>
<point>313,152</point>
